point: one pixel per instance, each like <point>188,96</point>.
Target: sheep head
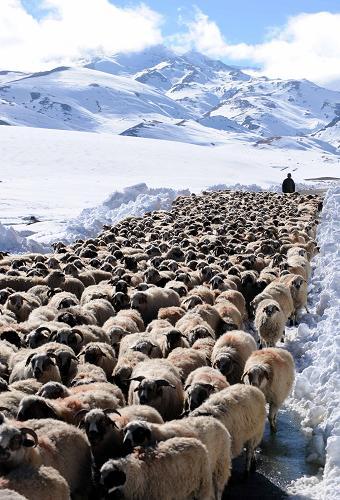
<point>13,444</point>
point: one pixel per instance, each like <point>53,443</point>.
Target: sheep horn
<point>28,360</point>
<point>110,410</point>
<point>26,430</point>
<point>81,335</point>
<point>81,412</point>
<point>42,328</point>
<point>137,379</point>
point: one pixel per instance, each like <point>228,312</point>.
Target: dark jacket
<point>288,186</point>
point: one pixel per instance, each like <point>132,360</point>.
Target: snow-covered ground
<point>62,178</point>
<point>316,348</point>
<point>57,176</point>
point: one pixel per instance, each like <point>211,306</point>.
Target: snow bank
<point>133,200</point>
<point>316,346</point>
<point>11,241</point>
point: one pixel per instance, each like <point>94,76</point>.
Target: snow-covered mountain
<point>157,93</point>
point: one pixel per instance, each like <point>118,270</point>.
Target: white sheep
<point>157,382</point>
<point>230,353</point>
<point>104,429</point>
<point>201,383</point>
<point>270,322</point>
<point>208,430</point>
<point>241,409</point>
<point>150,301</point>
<point>161,472</point>
<point>272,371</point>
<point>51,443</point>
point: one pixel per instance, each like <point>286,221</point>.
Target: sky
<point>284,39</point>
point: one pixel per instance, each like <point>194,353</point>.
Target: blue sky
<point>285,39</point>
<point>239,20</point>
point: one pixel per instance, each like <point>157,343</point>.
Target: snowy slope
<point>83,99</point>
<point>210,88</point>
<point>277,107</point>
<point>148,93</point>
<point>330,133</point>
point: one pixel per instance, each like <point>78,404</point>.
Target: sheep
<point>26,386</point>
<point>142,342</point>
<point>168,339</point>
<point>124,367</point>
<point>272,371</point>
<point>270,322</point>
<point>22,304</point>
<point>281,294</point>
<point>104,429</point>
<point>241,409</point>
<point>42,314</point>
<point>200,384</point>
<point>150,301</point>
<point>186,360</point>
<point>67,409</point>
<point>57,279</point>
<point>76,338</point>
<point>230,353</point>
<point>63,300</point>
<point>194,327</point>
<point>86,373</point>
<point>207,430</point>
<point>38,337</point>
<point>204,293</point>
<point>171,314</point>
<point>230,315</point>
<point>44,483</point>
<point>6,352</point>
<point>157,382</point>
<point>138,478</point>
<point>53,390</point>
<point>237,299</point>
<point>75,316</point>
<point>298,289</point>
<point>100,354</point>
<point>101,309</point>
<point>41,366</point>
<point>54,444</point>
<point>10,401</point>
<point>205,345</point>
<point>93,292</point>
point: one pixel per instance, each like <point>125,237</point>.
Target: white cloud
<point>71,29</point>
<point>308,46</point>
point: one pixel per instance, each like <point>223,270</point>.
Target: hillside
<point>153,92</point>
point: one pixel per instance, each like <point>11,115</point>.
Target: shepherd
<point>288,185</point>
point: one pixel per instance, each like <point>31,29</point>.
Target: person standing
<point>288,185</point>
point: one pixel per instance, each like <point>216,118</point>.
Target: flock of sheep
<point>126,370</point>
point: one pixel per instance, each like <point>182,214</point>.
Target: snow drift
<point>316,348</point>
<point>132,201</point>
